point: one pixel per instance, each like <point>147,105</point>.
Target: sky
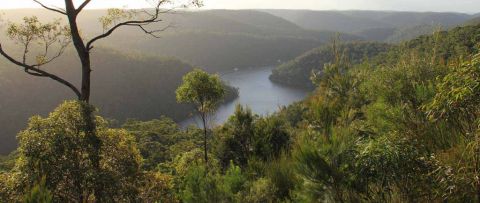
<point>466,6</point>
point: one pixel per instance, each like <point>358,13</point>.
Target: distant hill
<point>408,33</point>
<point>255,18</point>
<point>377,34</point>
<point>474,21</point>
<point>124,86</point>
<point>223,39</point>
<point>329,20</point>
<point>373,25</point>
<point>297,72</point>
<point>213,39</point>
<point>356,21</point>
<point>459,41</point>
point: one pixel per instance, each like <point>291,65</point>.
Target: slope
<point>367,23</point>
<point>123,86</point>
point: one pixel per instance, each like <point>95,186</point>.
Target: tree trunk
<point>204,120</point>
<point>86,78</point>
<point>82,51</point>
<point>87,111</point>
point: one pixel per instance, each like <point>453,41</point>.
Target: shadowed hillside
<point>124,86</point>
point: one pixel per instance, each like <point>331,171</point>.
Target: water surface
<point>256,91</point>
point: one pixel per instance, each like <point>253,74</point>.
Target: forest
<point>384,122</point>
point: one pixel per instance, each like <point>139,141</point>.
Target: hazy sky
<point>470,6</point>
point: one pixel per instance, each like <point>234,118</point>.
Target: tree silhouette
<point>54,35</point>
<point>40,38</point>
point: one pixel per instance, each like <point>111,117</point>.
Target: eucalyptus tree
<point>42,43</point>
<point>205,92</point>
<point>56,36</point>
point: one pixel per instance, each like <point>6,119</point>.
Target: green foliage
<point>114,16</point>
<point>57,147</point>
<point>201,89</point>
<point>457,103</point>
<point>157,187</point>
<point>205,92</point>
<point>235,138</point>
<point>271,137</point>
<point>39,194</point>
<point>261,191</point>
<point>184,161</point>
<point>8,162</point>
<point>325,162</point>
<point>33,33</point>
<point>297,72</point>
<point>282,177</point>
<point>233,182</point>
<point>157,139</point>
<point>395,164</point>
<point>458,96</point>
<point>202,186</point>
<point>199,186</point>
<point>366,132</point>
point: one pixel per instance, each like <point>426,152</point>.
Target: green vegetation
<point>384,124</point>
<point>205,92</point>
<point>297,72</point>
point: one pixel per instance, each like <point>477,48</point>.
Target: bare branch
<point>50,8</point>
<point>32,70</point>
<point>46,61</point>
<point>152,32</point>
<point>153,18</point>
<point>83,5</point>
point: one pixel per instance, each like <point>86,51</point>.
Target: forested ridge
<point>298,71</point>
<point>216,40</point>
<point>383,26</point>
<point>385,123</point>
<point>126,85</point>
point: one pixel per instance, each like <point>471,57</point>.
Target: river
<point>256,91</point>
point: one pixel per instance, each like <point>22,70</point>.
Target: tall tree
<point>55,36</point>
<point>205,91</point>
<point>49,35</point>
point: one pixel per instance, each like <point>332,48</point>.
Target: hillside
<point>124,86</point>
<point>400,123</point>
<point>474,21</point>
<point>372,25</point>
<point>213,39</point>
<point>223,39</point>
<point>297,72</point>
